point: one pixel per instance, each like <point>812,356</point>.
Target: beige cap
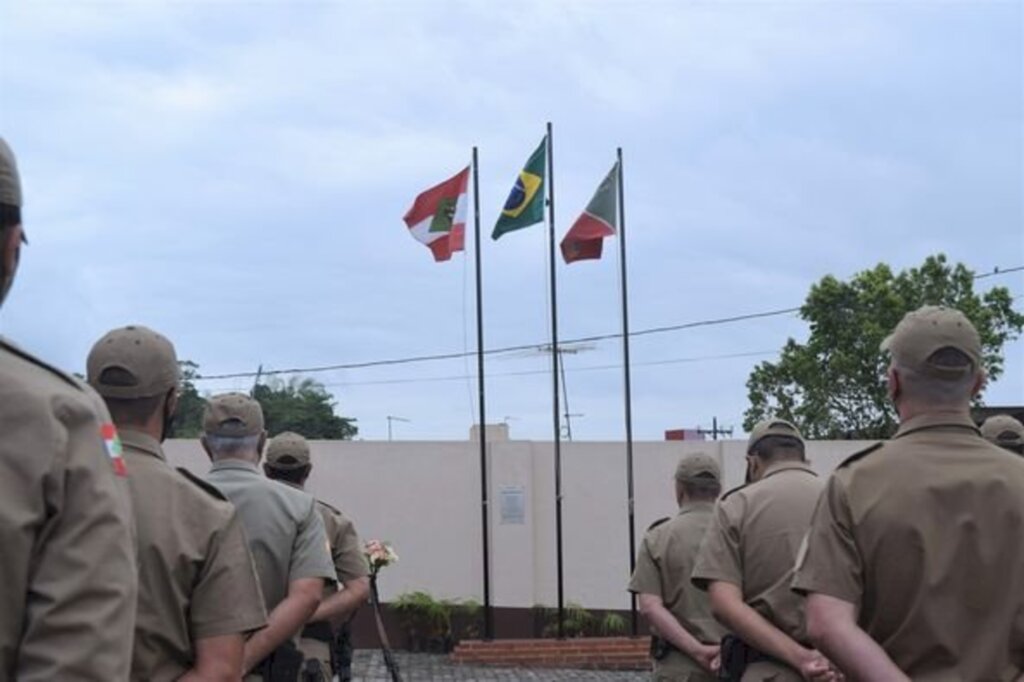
<point>698,464</point>
<point>929,329</point>
<point>1003,430</point>
<point>232,415</point>
<point>132,362</point>
<point>287,450</point>
<point>772,427</point>
<point>10,183</point>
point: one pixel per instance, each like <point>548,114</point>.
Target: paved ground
<point>369,667</point>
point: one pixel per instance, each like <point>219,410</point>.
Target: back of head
<point>936,353</point>
<point>287,458</point>
<point>776,440</point>
<point>10,217</point>
<point>233,426</point>
<point>699,476</point>
<point>134,368</point>
<point>1004,431</point>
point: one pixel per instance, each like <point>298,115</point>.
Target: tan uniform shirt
<point>196,575</point>
<point>67,559</point>
<point>663,567</point>
<point>346,547</point>
<point>286,534</point>
<point>925,534</point>
<point>754,540</point>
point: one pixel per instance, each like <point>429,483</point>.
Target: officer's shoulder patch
<point>333,509</point>
<point>658,523</point>
<point>208,487</point>
<point>860,454</point>
<point>730,492</point>
<point>33,360</point>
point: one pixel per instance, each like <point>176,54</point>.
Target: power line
<point>531,346</point>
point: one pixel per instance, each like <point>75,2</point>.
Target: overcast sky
<point>234,174</point>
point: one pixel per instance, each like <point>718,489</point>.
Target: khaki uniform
<point>753,543</point>
<point>286,533</point>
<point>663,567</point>
<point>196,576</point>
<point>349,564</point>
<point>67,559</point>
<point>925,534</point>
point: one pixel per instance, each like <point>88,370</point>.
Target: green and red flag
<point>525,203</point>
<point>600,219</point>
<point>438,216</point>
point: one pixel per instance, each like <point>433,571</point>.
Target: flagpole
<point>628,392</point>
<point>557,427</point>
<point>481,398</point>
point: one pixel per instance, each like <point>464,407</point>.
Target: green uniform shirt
<point>286,534</point>
<point>925,534</point>
<point>663,567</point>
<point>346,547</point>
<point>754,540</point>
<point>67,556</point>
<point>196,575</point>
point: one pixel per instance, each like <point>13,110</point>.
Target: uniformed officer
<point>288,461</point>
<point>198,590</point>
<point>1004,431</point>
<point>747,559</point>
<point>687,636</point>
<point>67,558</point>
<point>286,533</point>
<point>915,558</point>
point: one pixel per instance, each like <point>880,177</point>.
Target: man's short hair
<point>701,487</point>
<point>232,445</point>
<point>295,475</point>
<point>9,216</point>
<point>772,448</point>
<point>133,412</point>
<point>949,389</point>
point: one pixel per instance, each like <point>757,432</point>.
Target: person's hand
<point>814,667</point>
<point>707,655</point>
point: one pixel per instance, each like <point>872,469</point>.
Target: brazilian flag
<point>525,204</point>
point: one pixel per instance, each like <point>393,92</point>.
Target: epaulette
<point>333,509</point>
<point>28,357</point>
<point>859,454</point>
<point>730,492</point>
<point>658,523</point>
<point>208,487</point>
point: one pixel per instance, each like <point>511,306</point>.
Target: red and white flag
<point>438,216</point>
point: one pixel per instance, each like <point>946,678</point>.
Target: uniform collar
<point>787,465</point>
<point>235,464</point>
<point>686,507</point>
<point>142,442</point>
<point>936,421</point>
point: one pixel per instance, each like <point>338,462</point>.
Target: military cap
<point>132,362</point>
<point>698,465</point>
<point>1003,430</point>
<point>928,329</point>
<point>232,415</point>
<point>772,427</point>
<point>287,450</point>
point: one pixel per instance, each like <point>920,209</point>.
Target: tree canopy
<point>833,386</point>
<point>301,404</point>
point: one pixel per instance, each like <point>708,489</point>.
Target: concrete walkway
<point>369,667</point>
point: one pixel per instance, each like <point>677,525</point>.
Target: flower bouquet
<point>378,555</point>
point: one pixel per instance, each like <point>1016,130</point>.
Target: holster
<point>660,647</point>
<point>736,655</point>
<point>284,664</point>
<point>320,631</point>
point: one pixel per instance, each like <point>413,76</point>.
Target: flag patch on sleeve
<point>113,444</point>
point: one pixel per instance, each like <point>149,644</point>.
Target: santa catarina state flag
<point>599,219</point>
<point>525,203</point>
<point>438,216</point>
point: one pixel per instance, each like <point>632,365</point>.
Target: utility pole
<point>391,419</point>
<point>714,430</point>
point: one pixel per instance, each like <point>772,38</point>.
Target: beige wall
<point>424,497</point>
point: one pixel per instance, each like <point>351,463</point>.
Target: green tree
<point>833,386</point>
<point>302,405</point>
<point>188,420</point>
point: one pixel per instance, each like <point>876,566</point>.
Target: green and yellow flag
<point>525,204</point>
